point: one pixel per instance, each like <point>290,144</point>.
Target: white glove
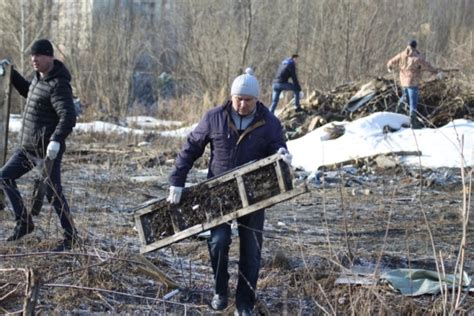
<point>175,194</point>
<point>301,95</point>
<point>285,155</point>
<point>5,62</point>
<point>440,75</point>
<point>389,70</point>
<point>52,150</point>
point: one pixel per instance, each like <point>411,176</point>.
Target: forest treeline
<point>203,44</point>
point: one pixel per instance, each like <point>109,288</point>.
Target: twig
<point>106,302</point>
<point>31,292</point>
<point>171,294</point>
<point>465,220</point>
<point>118,293</point>
<point>74,254</point>
<point>11,292</point>
<point>74,271</point>
<point>153,270</point>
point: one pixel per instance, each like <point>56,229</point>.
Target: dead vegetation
<point>358,223</point>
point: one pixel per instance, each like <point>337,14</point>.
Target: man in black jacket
<point>286,70</point>
<point>48,119</point>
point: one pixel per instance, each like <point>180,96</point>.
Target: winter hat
<point>413,43</point>
<point>246,84</point>
<point>42,47</point>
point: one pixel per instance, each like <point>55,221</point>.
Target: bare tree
<point>22,23</point>
<point>204,44</point>
<point>248,28</point>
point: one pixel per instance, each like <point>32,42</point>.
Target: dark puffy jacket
<point>49,110</point>
<point>262,138</point>
<point>287,70</point>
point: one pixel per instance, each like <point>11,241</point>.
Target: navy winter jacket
<point>287,70</point>
<point>262,138</point>
<point>49,110</point>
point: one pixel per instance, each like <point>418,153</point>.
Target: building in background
<point>74,22</point>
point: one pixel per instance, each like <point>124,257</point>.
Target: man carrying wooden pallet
<point>239,131</point>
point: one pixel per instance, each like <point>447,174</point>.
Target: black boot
<point>415,124</point>
<point>21,229</point>
<point>69,241</point>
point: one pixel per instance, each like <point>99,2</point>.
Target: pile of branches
<point>440,101</point>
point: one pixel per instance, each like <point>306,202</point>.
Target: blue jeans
<point>412,94</point>
<point>250,235</point>
<point>278,88</point>
<point>19,164</point>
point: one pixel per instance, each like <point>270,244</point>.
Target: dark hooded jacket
<point>49,113</point>
<point>229,148</point>
<point>287,70</point>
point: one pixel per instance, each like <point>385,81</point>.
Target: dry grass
<point>308,242</point>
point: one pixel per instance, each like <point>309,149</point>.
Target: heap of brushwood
<point>440,101</point>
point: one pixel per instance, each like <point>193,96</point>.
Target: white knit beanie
<point>246,84</point>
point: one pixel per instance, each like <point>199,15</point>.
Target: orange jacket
<point>411,65</point>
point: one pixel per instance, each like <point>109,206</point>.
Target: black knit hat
<point>413,43</point>
<point>42,47</point>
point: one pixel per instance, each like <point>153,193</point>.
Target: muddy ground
<point>365,219</point>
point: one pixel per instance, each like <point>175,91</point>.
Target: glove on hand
<point>389,70</point>
<point>175,194</point>
<point>440,75</point>
<point>285,155</point>
<point>52,150</point>
<point>5,62</point>
<point>301,94</point>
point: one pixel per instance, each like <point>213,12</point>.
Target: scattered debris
<point>440,101</point>
<point>415,282</point>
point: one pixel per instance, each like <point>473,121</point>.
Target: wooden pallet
<point>239,192</point>
<point>6,87</point>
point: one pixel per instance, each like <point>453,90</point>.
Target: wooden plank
<point>246,168</point>
<point>5,81</point>
<point>242,192</point>
<point>281,180</point>
<point>141,234</point>
<point>6,87</point>
<point>226,218</point>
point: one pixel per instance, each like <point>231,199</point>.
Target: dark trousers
<point>250,236</point>
<point>278,88</point>
<point>20,163</point>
